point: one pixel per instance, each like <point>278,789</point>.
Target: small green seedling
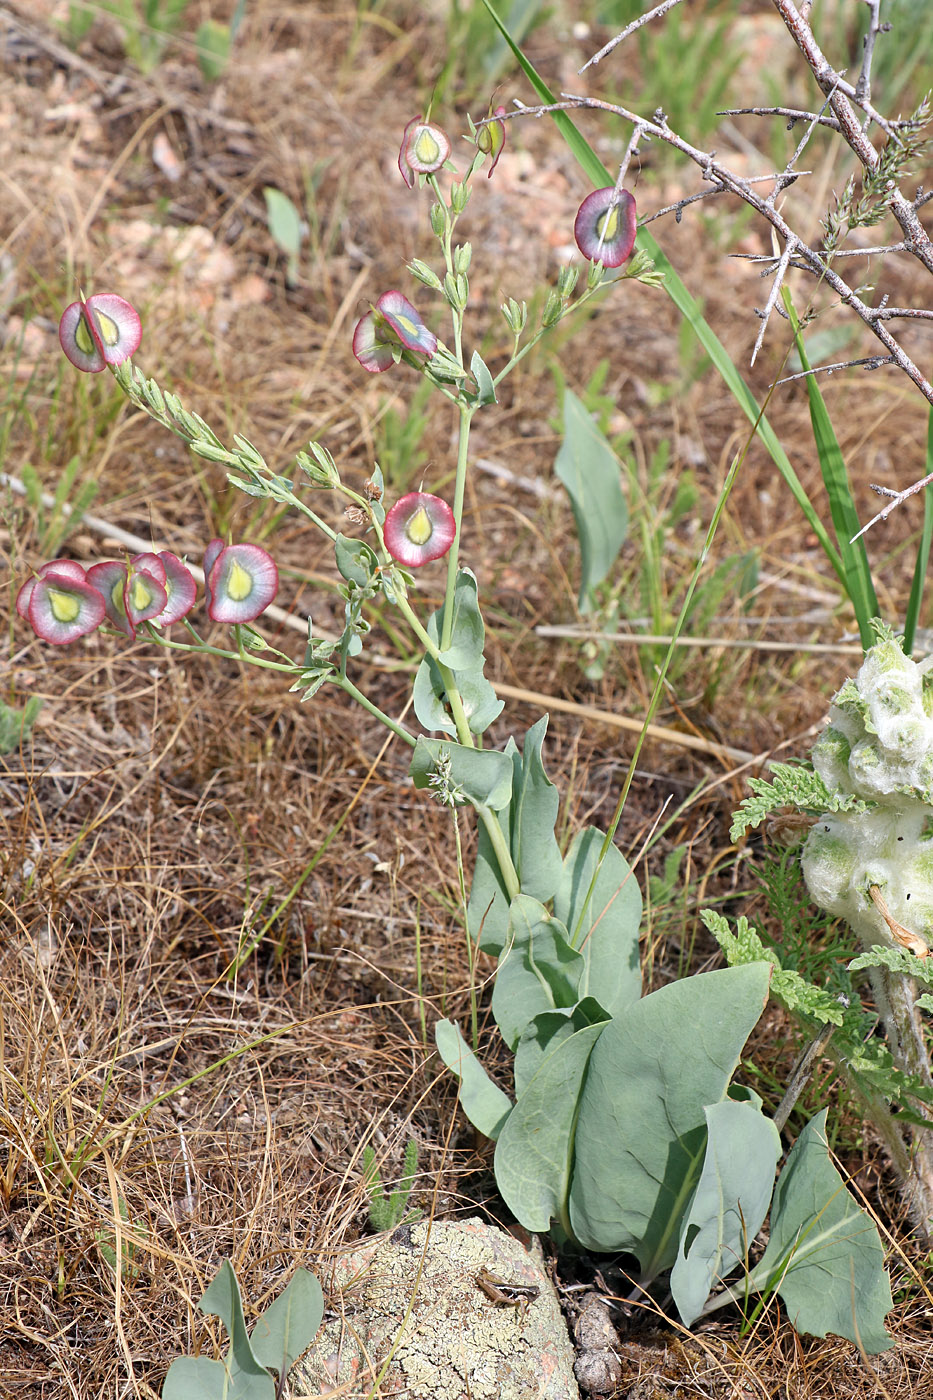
<point>106,1241</point>
<point>285,1330</point>
<point>388,1211</point>
<point>15,725</point>
<point>285,226</point>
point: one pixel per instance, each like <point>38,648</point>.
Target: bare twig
<point>793,114</point>
<point>656,13</point>
<point>875,27</point>
<point>897,498</point>
<point>779,275</point>
<point>867,362</point>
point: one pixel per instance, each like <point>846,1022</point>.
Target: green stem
<point>471,963</point>
<point>398,729</point>
<point>454,698</point>
<point>205,649</point>
<point>500,847</point>
<point>466,418</point>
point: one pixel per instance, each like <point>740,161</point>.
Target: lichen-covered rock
<point>411,1300</point>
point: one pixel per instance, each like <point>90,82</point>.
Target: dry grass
<point>163,811</point>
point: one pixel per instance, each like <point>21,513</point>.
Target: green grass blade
<point>858,584</point>
<point>923,552</point>
<point>594,169</point>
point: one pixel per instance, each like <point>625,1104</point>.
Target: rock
<point>410,1302</point>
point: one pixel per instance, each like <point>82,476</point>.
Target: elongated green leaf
<point>535,802</point>
<point>729,1204</point>
<point>825,1256</point>
<point>241,1375</point>
<point>483,1102</point>
<point>856,567</point>
<point>465,659</point>
<point>641,1133</point>
<point>593,167</point>
<point>284,221</point>
<point>528,827</point>
<point>288,1325</point>
<point>199,1378</point>
<point>488,907</point>
<point>603,924</point>
<point>591,475</point>
<point>538,972</point>
<point>922,565</point>
<point>544,1033</point>
<point>534,1154</point>
<point>483,776</point>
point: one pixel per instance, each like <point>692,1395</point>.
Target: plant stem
<point>466,417</point>
<point>350,689</point>
<point>471,965</point>
<point>500,847</point>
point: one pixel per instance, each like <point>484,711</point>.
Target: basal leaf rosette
<point>419,527</point>
<point>604,228</point>
<point>490,138</point>
<point>382,336</point>
<point>425,148</point>
<point>98,331</point>
<point>242,581</point>
<point>60,606</point>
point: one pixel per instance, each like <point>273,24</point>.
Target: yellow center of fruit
<point>83,338</point>
<point>607,225</point>
<point>141,594</point>
<point>426,149</point>
<point>116,596</point>
<point>239,583</point>
<point>65,606</point>
<point>419,528</point>
<point>109,330</point>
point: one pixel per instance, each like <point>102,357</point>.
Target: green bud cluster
<point>877,752</point>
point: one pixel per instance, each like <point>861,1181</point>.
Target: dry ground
<point>162,811</point>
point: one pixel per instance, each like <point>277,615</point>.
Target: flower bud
<point>459,197</point>
<point>516,315</point>
<point>462,257</point>
<point>553,309</point>
<point>425,274</point>
<point>567,280</point>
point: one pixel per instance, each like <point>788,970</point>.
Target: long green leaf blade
<point>923,552</point>
<point>858,582</point>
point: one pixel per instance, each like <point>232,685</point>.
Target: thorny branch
<point>847,108</point>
